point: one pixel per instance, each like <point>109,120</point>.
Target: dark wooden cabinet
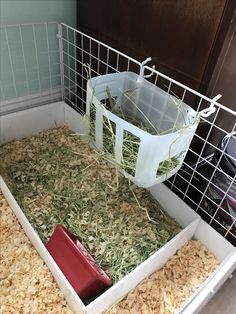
<point>183,37</point>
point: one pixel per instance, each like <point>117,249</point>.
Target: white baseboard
<point>29,101</point>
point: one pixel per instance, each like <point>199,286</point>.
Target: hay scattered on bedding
<point>27,285</point>
<point>57,178</point>
<point>168,289</point>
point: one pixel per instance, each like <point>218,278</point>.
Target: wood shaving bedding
<point>168,289</point>
<point>27,285</point>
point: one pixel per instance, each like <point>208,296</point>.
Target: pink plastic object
<point>78,266</point>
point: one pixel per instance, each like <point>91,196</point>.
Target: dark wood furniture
<point>183,37</point>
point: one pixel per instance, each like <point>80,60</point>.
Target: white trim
<point>19,103</point>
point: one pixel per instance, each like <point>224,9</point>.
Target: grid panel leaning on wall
<point>30,63</point>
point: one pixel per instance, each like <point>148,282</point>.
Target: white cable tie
<point>209,111</point>
<point>146,61</point>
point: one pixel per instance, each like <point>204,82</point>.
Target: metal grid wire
<point>195,183</point>
<point>36,68</point>
<point>30,64</point>
<point>79,50</point>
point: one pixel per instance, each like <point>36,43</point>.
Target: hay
<point>58,178</point>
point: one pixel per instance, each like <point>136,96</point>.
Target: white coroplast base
<point>31,121</point>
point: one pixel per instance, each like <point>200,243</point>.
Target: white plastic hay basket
<point>150,137</point>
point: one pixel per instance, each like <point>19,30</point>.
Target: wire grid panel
<point>201,182</point>
<point>79,50</point>
<point>30,62</point>
<point>196,182</point>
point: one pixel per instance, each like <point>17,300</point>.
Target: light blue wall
<point>31,11</point>
<point>26,67</point>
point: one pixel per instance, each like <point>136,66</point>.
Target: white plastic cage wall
<point>58,59</point>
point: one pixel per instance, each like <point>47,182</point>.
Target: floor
<point>224,302</point>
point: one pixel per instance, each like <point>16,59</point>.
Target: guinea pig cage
<point>88,135</point>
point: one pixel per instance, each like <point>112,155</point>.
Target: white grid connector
<point>142,65</point>
<point>209,111</point>
<point>151,74</point>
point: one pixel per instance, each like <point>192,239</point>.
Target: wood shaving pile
<point>168,289</point>
<point>27,285</point>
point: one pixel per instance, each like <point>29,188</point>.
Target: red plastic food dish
<point>78,266</point>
